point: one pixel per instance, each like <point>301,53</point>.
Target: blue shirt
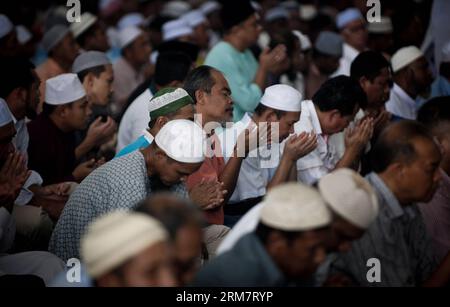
<point>440,87</point>
<point>142,142</point>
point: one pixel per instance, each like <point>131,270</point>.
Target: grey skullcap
<point>88,60</point>
<point>329,43</point>
<point>53,36</point>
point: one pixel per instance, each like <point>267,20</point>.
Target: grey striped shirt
<point>397,238</point>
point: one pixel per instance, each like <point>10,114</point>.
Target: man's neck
<point>390,183</point>
<point>407,87</point>
<point>65,66</point>
<point>235,42</point>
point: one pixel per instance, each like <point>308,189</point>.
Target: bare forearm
<point>261,77</point>
<point>283,172</point>
<point>83,149</point>
<point>350,159</point>
<point>230,175</point>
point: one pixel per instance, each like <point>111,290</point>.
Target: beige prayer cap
<point>117,237</point>
<point>350,196</point>
<point>295,207</point>
<point>405,56</point>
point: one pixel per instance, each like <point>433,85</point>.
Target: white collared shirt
<point>348,55</point>
<point>257,169</point>
<point>134,121</point>
<point>401,104</point>
<point>323,159</point>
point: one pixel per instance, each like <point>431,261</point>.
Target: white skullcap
<point>294,207</point>
<point>175,29</point>
<point>308,11</point>
<point>445,57</point>
<point>350,196</point>
<point>89,59</point>
<point>282,97</point>
<point>405,56</point>
<point>210,6</point>
<point>23,35</point>
<point>305,42</point>
<point>194,18</point>
<point>347,16</point>
<point>6,26</point>
<point>53,36</point>
<point>182,140</point>
<point>175,9</point>
<point>382,27</point>
<point>116,237</point>
<point>63,89</point>
<point>128,35</point>
<point>5,114</point>
<point>87,20</point>
<point>130,20</point>
<point>277,12</point>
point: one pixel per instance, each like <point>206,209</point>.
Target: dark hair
<point>96,71</point>
<point>395,143</point>
<point>17,72</point>
<point>263,231</point>
<point>340,93</point>
<point>171,66</point>
<point>260,108</point>
<point>199,78</point>
<point>368,64</point>
<point>171,211</point>
<point>48,109</point>
<point>435,112</point>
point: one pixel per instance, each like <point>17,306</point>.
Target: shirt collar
<point>148,136</point>
<point>310,111</point>
<point>349,52</point>
<point>403,95</point>
<point>384,193</point>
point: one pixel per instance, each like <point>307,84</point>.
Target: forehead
<point>290,116</point>
<point>219,80</point>
<point>427,151</point>
<point>420,62</point>
<point>384,73</point>
<point>355,24</point>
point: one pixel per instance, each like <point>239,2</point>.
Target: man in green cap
<point>168,104</point>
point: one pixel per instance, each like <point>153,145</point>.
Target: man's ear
<point>199,97</point>
<point>89,80</point>
<point>63,111</point>
<point>161,121</point>
<point>364,82</point>
<point>160,155</point>
<point>397,169</point>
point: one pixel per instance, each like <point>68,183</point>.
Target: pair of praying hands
<point>208,194</point>
<point>13,175</point>
<point>299,145</point>
<point>357,137</point>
